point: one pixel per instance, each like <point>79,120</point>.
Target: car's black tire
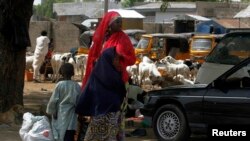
<point>170,124</point>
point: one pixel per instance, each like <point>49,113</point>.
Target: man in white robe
<point>41,50</point>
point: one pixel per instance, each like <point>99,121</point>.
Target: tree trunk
<point>14,38</point>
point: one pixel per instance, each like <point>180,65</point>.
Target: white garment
<point>41,50</point>
<point>42,45</point>
<point>62,103</point>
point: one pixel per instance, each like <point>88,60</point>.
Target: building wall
<point>35,29</point>
<point>158,28</point>
<point>65,35</point>
<point>162,17</point>
<point>132,23</point>
<point>219,9</point>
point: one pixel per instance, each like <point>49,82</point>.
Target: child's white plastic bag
<point>35,128</point>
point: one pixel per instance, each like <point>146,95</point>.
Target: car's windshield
<point>143,43</point>
<point>231,50</point>
<point>202,44</point>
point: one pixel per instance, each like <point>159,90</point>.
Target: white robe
<point>63,102</point>
<point>41,50</point>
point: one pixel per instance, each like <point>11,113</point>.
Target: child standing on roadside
<point>62,104</point>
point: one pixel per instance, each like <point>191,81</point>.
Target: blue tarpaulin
<point>207,26</point>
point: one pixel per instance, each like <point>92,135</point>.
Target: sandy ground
<point>36,96</point>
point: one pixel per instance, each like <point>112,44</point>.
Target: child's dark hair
<point>44,33</point>
<point>67,70</point>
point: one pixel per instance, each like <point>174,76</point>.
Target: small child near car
<point>135,100</point>
<point>62,104</point>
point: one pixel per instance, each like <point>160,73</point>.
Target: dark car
<point>134,35</point>
<point>86,38</point>
<point>180,110</point>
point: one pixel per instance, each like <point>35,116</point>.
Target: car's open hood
<point>183,87</point>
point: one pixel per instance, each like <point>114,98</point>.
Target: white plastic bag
<point>35,128</point>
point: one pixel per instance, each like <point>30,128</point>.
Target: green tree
<point>129,3</point>
<point>45,9</point>
<point>14,38</point>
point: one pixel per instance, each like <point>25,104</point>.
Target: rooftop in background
<point>157,5</point>
<point>245,13</point>
<point>68,8</point>
<point>191,17</point>
<point>128,13</point>
<point>89,9</point>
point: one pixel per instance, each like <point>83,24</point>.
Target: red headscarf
<point>119,39</point>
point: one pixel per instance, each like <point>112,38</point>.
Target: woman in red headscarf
<point>104,87</point>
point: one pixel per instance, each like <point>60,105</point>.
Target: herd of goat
<point>161,73</point>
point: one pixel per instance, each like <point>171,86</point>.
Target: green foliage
<point>164,6</point>
<point>127,3</point>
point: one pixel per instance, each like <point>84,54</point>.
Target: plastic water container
<point>28,75</point>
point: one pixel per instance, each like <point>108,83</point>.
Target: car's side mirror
<point>245,82</point>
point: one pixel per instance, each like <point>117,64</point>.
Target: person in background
<point>51,45</point>
<point>39,55</point>
<point>47,61</point>
<point>62,103</point>
<point>104,85</point>
<point>135,100</point>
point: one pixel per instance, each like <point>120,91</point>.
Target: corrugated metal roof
<point>198,17</point>
<point>157,5</point>
<point>128,13</point>
<point>124,13</point>
<point>245,13</point>
<point>152,5</point>
<point>190,17</point>
<point>182,5</point>
<point>231,23</point>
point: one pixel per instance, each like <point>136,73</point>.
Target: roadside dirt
<point>36,97</point>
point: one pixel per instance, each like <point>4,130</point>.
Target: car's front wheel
<point>170,124</point>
